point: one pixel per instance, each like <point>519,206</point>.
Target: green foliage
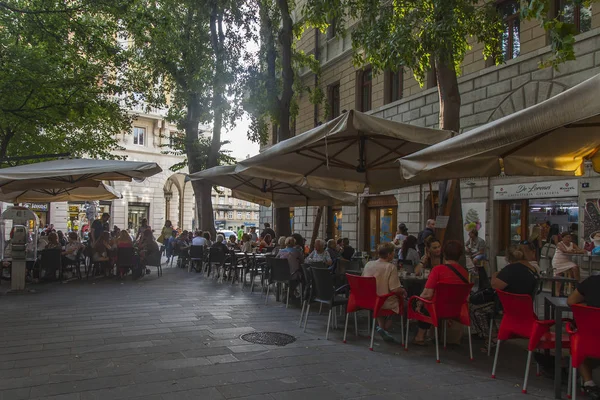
<point>58,61</point>
<point>202,147</point>
<point>390,35</point>
<point>263,102</point>
<point>561,33</point>
<point>174,66</point>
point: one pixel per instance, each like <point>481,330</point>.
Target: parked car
<point>227,234</point>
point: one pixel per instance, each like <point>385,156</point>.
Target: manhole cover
<point>270,338</point>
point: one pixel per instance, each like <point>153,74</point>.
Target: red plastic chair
<point>450,302</point>
<point>363,296</point>
<point>584,339</point>
<point>519,321</point>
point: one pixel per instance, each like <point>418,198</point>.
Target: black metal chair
<point>155,261</point>
<point>50,262</point>
<point>196,257</point>
<point>75,263</point>
<point>325,293</point>
<point>125,260</point>
<point>307,290</point>
<point>280,273</point>
<point>215,256</point>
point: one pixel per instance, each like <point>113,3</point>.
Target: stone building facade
<point>487,93</point>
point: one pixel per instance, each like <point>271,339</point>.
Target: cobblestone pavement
<point>178,337</point>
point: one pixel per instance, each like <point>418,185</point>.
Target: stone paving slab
<point>177,337</point>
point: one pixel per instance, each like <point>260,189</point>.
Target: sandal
<point>419,343</point>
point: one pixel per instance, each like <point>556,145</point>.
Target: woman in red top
<point>442,273</point>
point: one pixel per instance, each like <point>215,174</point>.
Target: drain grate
<point>270,338</point>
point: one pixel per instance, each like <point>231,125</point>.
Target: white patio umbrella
<point>72,173</point>
<point>100,191</point>
<point>347,154</point>
<point>552,138</point>
<point>268,191</point>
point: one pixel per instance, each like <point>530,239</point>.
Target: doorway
<point>137,212</point>
<point>382,216</point>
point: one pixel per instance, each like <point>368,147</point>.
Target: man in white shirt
<point>198,240</point>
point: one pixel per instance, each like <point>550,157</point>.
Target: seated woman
<point>265,242</point>
<point>206,235</point>
<point>123,241</point>
<point>53,242</point>
<point>408,254</point>
<point>232,243</point>
<point>72,247</point>
<point>280,245</point>
<point>519,277</point>
<point>101,253</point>
<point>149,250</point>
<point>442,273</point>
<point>246,246</point>
<point>432,257</point>
<point>220,245</point>
<point>386,279</point>
<point>319,254</point>
<point>294,256</point>
<point>333,253</point>
<point>562,264</point>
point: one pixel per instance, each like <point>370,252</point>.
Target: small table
<point>555,279</point>
<point>413,285</point>
<point>560,306</point>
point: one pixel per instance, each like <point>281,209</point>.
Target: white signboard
<point>441,222</point>
<point>537,190</point>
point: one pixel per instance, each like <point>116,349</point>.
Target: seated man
<point>588,293</point>
<point>386,276</point>
<point>475,247</point>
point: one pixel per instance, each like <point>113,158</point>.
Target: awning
<point>552,138</point>
<point>267,191</point>
<point>347,154</point>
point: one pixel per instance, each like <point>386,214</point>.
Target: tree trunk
<point>316,227</point>
<point>449,191</point>
<point>202,191</point>
<point>282,215</point>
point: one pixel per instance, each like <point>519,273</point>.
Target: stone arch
<point>174,193</point>
<point>526,95</point>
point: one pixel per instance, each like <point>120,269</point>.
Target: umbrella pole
<point>431,199</point>
<point>316,225</point>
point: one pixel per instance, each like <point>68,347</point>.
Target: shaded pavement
<point>178,337</point>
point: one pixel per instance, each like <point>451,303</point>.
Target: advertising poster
<point>474,218</point>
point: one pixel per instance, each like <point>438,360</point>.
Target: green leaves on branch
<point>59,91</point>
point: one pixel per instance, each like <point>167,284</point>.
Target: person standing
<point>268,231</point>
<point>98,227</point>
<point>424,234</point>
<point>240,233</point>
<point>253,234</point>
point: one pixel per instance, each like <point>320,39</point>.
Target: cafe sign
<point>37,206</point>
<point>565,188</point>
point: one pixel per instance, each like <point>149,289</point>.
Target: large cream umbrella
<point>72,173</point>
<point>552,138</point>
<point>347,154</point>
<point>268,191</point>
<point>93,190</point>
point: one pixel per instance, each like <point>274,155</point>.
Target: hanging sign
<point>537,190</point>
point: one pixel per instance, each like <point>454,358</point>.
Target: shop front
<point>382,215</point>
<point>137,212</point>
<point>42,210</point>
<point>531,210</point>
<point>77,219</point>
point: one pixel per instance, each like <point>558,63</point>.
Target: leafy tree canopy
<point>411,33</point>
<point>59,63</point>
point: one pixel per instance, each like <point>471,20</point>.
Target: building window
<point>578,15</point>
<point>364,89</point>
<point>239,215</point>
<point>511,37</point>
<point>333,100</point>
<point>230,215</point>
<point>139,135</point>
<point>231,201</point>
<point>221,200</point>
<point>248,215</point>
<point>332,29</point>
<point>394,85</point>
